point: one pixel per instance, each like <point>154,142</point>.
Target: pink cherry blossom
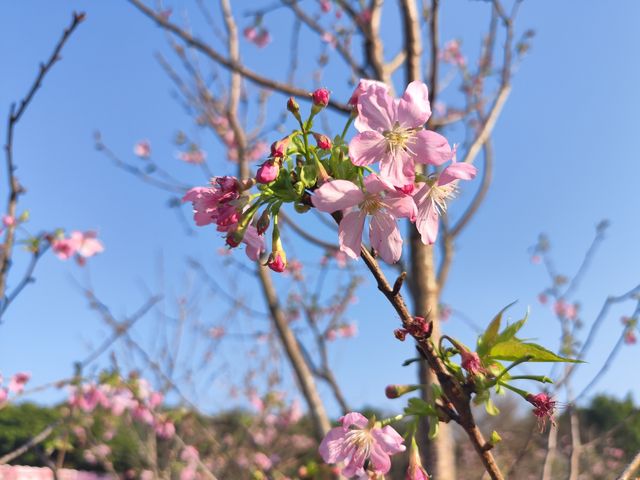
<point>364,85</point>
<point>64,248</point>
<point>380,200</point>
<point>432,197</point>
<point>262,39</point>
<point>451,53</point>
<point>194,156</point>
<point>4,394</point>
<point>254,243</point>
<point>471,362</point>
<point>165,429</point>
<point>250,33</point>
<point>544,408</point>
<point>86,244</point>
<point>392,132</point>
<point>189,454</point>
<point>18,381</point>
<point>565,310</point>
<point>356,441</point>
<point>217,332</point>
<point>209,202</point>
<point>142,149</point>
<point>8,220</point>
<point>325,5</point>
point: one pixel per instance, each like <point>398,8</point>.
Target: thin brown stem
<point>15,189</point>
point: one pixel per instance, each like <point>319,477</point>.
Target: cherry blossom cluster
<point>134,397</point>
<point>15,386</point>
<point>81,245</point>
<point>309,169</point>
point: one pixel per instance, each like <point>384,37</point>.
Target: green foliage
<point>18,423</point>
<point>617,419</point>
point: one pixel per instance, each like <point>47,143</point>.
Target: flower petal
<point>413,108</point>
<point>350,233</point>
<point>431,148</point>
<point>380,460</point>
<point>398,169</point>
<point>401,205</point>
<point>367,148</point>
<point>337,195</point>
<point>427,221</point>
<point>376,110</point>
<point>457,171</point>
<point>353,418</point>
<point>332,445</point>
<point>375,184</point>
<point>390,440</point>
<point>385,236</point>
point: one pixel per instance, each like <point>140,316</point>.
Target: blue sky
<point>564,161</point>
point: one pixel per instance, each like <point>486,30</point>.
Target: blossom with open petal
<point>392,132</point>
<point>356,441</point>
<point>432,197</point>
<point>380,200</point>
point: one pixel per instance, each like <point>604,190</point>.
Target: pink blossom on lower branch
<point>358,440</point>
<point>544,408</point>
<point>380,200</point>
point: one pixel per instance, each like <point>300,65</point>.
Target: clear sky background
<point>565,159</point>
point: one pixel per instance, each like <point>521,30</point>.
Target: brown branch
<point>412,41</point>
<point>230,64</point>
<point>631,468</point>
<point>487,176</point>
<point>306,235</point>
<point>316,27</point>
<point>451,387</point>
<point>15,189</point>
<point>32,442</point>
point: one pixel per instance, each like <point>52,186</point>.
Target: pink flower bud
<point>293,106</point>
<point>277,262</point>
<point>396,391</point>
<point>320,97</point>
<point>263,39</point>
<point>267,172</point>
<point>263,222</point>
<point>233,239</point>
<point>471,362</point>
<point>322,141</point>
<point>279,148</point>
<point>250,33</point>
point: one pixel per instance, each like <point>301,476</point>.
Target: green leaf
<point>514,350</point>
<point>491,408</point>
<point>309,175</point>
<point>433,427</point>
<point>495,437</point>
<point>488,338</point>
<point>419,407</point>
<point>511,330</point>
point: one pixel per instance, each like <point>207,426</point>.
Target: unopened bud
<point>234,238</point>
<point>279,148</point>
<point>322,141</point>
<point>294,108</point>
<point>277,261</point>
<point>395,391</point>
<point>400,334</point>
<point>263,222</point>
<point>267,172</point>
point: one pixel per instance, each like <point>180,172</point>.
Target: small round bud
<point>267,172</point>
<point>320,97</point>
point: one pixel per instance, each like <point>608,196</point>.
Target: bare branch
<point>214,55</point>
